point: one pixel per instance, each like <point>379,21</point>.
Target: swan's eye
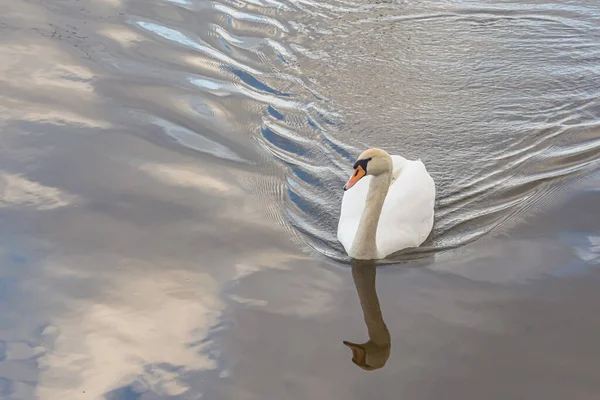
<point>362,163</point>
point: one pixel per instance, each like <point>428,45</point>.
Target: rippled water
<point>171,173</point>
<point>499,100</point>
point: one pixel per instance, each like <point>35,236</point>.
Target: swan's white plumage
<point>407,213</point>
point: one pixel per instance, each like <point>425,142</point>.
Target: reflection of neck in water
<point>374,353</point>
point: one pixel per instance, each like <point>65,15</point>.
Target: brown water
<point>171,177</point>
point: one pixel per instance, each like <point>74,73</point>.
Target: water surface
<point>170,181</point>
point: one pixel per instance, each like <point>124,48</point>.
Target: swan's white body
<point>406,215</point>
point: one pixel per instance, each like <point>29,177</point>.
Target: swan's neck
<point>364,246</point>
<point>364,279</point>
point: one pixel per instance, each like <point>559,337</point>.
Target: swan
<point>388,205</point>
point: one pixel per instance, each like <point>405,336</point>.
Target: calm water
<point>170,182</point>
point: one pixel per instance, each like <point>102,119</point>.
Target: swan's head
<point>371,162</point>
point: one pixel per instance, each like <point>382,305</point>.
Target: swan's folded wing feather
<point>407,214</point>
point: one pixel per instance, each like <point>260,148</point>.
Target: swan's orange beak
<point>359,172</point>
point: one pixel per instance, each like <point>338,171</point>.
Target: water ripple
<point>543,147</point>
<point>500,103</point>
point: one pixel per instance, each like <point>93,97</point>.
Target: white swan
<point>390,206</point>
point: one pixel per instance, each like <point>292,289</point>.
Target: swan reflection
<point>374,353</point>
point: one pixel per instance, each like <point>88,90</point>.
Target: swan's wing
<point>353,205</point>
<point>407,214</point>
